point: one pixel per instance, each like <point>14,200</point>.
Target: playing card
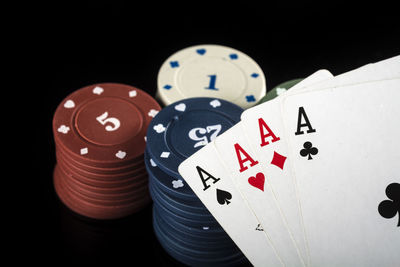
<point>382,70</point>
<point>206,175</point>
<point>263,122</point>
<point>249,177</point>
<point>344,149</point>
<point>263,128</point>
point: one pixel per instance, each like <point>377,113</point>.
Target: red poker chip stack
<point>99,132</point>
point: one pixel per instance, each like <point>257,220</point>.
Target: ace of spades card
<point>345,152</point>
<point>212,183</point>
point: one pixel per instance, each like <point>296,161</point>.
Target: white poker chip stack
<point>211,71</point>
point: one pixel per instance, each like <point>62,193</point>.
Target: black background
<point>61,48</point>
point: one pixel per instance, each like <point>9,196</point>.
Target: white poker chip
<point>211,71</point>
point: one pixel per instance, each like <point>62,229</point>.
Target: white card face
<point>315,78</point>
<point>382,70</point>
<point>345,153</point>
<point>206,175</point>
<point>273,153</point>
<point>282,183</point>
<point>248,175</point>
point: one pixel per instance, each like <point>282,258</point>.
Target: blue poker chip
<point>202,247</point>
<point>176,207</point>
<point>195,234</point>
<point>192,239</point>
<point>183,127</point>
<point>191,206</point>
<point>197,257</point>
<point>164,201</point>
<point>174,186</point>
<point>211,223</point>
<point>175,253</point>
<point>181,205</point>
<point>204,231</point>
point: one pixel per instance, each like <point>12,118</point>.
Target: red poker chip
<point>91,210</point>
<point>104,186</point>
<point>92,169</point>
<point>98,165</point>
<point>132,172</point>
<point>104,124</point>
<point>99,133</point>
<point>106,191</point>
<point>124,196</point>
<point>103,201</point>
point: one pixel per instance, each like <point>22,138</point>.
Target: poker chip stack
<point>183,225</point>
<point>279,89</point>
<point>99,132</point>
<point>211,71</point>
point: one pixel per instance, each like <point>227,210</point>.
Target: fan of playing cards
<point>312,177</point>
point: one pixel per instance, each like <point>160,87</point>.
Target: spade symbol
<point>308,150</point>
<point>389,208</point>
<point>223,197</point>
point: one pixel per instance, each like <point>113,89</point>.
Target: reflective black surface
<point>59,49</point>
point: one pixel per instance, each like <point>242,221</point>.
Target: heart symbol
<point>69,104</point>
<point>180,107</point>
<point>120,154</point>
<point>201,51</point>
<point>258,181</point>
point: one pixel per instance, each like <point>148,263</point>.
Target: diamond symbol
<point>165,155</point>
<point>84,151</point>
<point>254,75</point>
<point>233,56</point>
<point>98,90</point>
<point>167,87</point>
<point>132,93</point>
<point>278,160</point>
<point>250,98</point>
<point>174,64</point>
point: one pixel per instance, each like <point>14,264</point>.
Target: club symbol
<point>389,208</point>
<point>308,150</point>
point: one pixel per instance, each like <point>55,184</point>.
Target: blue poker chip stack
<point>184,227</point>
